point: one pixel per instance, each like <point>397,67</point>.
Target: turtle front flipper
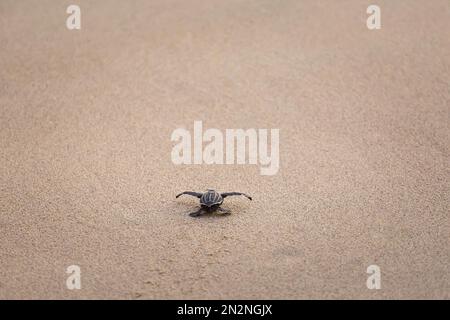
<point>227,194</point>
<point>190,193</point>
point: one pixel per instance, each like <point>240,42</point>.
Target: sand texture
<point>86,174</point>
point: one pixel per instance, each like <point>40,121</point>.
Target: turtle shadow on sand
<point>209,214</point>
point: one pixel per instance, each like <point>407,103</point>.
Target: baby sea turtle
<point>211,200</point>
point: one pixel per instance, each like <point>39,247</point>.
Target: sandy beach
<point>87,179</point>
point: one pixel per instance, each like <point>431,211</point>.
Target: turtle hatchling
<point>211,200</point>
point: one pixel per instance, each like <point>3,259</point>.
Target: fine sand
<point>86,173</point>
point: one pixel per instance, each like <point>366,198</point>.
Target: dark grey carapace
<point>211,200</point>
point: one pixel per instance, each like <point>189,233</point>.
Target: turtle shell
<point>211,198</point>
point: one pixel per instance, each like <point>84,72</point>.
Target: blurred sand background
<point>86,175</point>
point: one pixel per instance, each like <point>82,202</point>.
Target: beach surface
<point>87,179</point>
